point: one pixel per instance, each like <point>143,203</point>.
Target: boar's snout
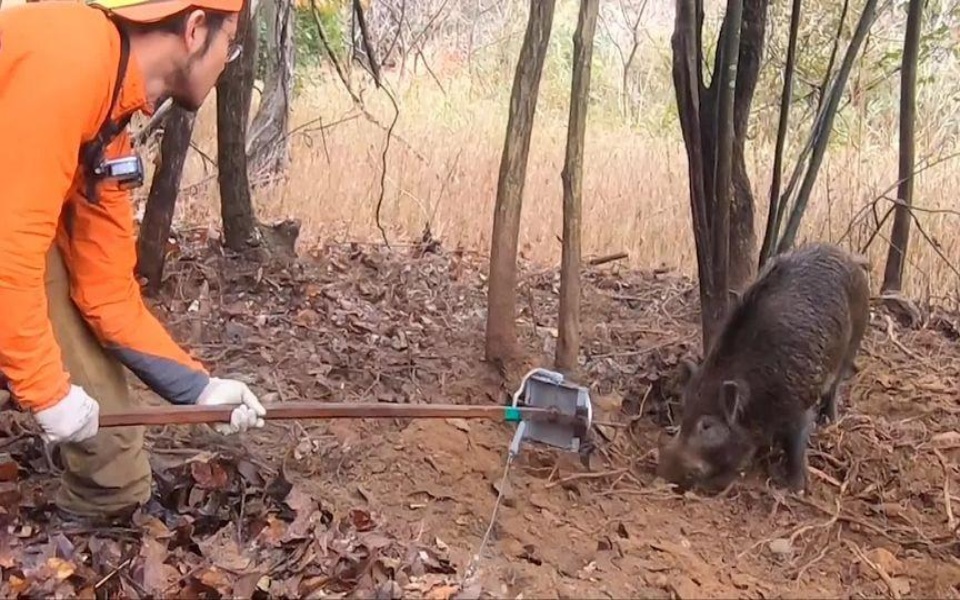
<point>707,459</point>
<point>680,464</point>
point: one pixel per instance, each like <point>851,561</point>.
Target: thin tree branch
<point>367,45</point>
<point>833,55</point>
<point>883,195</point>
<point>769,238</point>
<point>330,54</point>
<point>822,134</point>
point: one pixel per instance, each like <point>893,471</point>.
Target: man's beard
<point>186,104</point>
<point>179,90</point>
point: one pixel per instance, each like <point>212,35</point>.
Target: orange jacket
<point>58,66</point>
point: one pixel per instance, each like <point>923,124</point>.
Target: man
<point>71,314</point>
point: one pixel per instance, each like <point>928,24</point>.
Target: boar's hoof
<point>796,481</point>
<point>827,415</point>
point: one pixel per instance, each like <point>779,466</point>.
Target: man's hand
<point>74,419</point>
<point>229,391</point>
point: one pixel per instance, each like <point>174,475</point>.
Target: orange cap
<point>149,11</point>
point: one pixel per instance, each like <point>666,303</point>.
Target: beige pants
<point>110,472</point>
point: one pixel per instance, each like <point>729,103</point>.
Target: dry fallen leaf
<point>307,318</point>
<point>156,575</point>
<point>221,548</point>
<point>154,527</point>
<point>299,500</point>
<point>9,469</point>
<point>249,471</point>
<point>218,580</point>
<point>901,585</point>
<point>209,475</point>
<point>17,585</point>
<point>375,541</point>
<point>10,498</point>
<point>443,592</point>
<point>246,584</point>
<point>361,520</point>
<point>61,568</point>
<point>274,533</point>
<point>885,560</point>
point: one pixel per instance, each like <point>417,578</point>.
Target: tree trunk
<point>568,342</point>
<point>743,240</point>
<point>267,147</point>
<point>900,234</point>
<point>714,124</point>
<point>234,91</point>
<point>501,330</point>
<point>725,83</point>
<point>158,214</point>
<point>688,85</point>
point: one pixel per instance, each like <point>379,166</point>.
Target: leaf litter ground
<point>396,509</point>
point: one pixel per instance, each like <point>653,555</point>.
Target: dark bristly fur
<point>778,358</point>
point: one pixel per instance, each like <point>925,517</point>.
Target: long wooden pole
<point>184,415</point>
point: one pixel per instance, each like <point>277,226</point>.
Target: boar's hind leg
<point>795,440</point>
<point>827,412</point>
<point>828,403</point>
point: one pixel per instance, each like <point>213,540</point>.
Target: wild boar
<point>774,365</point>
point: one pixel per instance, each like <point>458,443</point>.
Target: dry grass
<point>635,186</point>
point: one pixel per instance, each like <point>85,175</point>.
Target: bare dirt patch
<point>388,509</point>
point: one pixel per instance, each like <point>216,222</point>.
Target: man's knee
<point>107,472</point>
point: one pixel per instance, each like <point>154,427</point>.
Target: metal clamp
<point>541,388</point>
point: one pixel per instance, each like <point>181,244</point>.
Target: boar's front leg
<point>795,441</point>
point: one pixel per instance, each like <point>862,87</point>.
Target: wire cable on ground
<point>512,453</point>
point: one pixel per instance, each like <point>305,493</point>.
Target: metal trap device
<point>568,404</point>
<point>546,408</point>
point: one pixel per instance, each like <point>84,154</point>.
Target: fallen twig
<point>825,525</point>
<point>877,568</point>
<point>947,505</point>
<point>896,342</point>
<point>578,476</point>
<point>602,260</point>
<point>111,574</point>
<point>866,525</point>
<point>823,476</point>
<point>803,569</point>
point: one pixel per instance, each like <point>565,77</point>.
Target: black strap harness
<point>91,152</point>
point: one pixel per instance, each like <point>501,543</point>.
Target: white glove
<point>73,419</point>
<point>230,391</point>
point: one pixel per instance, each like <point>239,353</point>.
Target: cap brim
<point>156,10</point>
<point>151,11</point>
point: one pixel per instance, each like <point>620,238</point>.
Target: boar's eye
<point>711,431</point>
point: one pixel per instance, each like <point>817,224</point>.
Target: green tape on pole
<point>512,414</point>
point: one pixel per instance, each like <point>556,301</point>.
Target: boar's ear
<point>731,397</point>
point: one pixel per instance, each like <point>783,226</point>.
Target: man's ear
<point>732,396</point>
<point>194,23</point>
